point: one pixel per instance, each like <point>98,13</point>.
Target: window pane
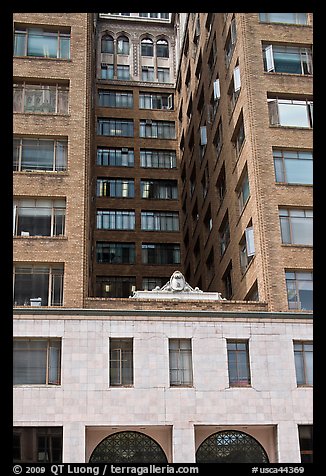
<point>293,114</point>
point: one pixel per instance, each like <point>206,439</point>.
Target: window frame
<point>238,381</point>
<point>124,349</point>
<point>182,355</point>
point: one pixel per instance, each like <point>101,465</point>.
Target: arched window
<point>162,49</point>
<point>231,446</point>
<point>107,44</point>
<point>147,48</point>
<point>123,45</point>
<point>128,447</point>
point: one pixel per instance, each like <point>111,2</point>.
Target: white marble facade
<point>88,409</point>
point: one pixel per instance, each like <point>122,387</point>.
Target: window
<point>253,294</point>
<point>180,362</point>
<point>37,444</point>
<point>227,282</point>
<point>238,363</point>
<point>107,44</point>
<point>40,98</point>
<point>157,129</point>
<point>218,140</point>
<point>36,361</point>
<point>150,283</point>
<point>290,112</point>
<point>122,188</point>
<point>303,358</point>
<point>107,71</point>
<point>115,253</point>
<point>162,49</point>
<point>38,42</point>
<point>39,217</point>
<point>123,45</point>
<point>306,443</point>
<point>38,285</point>
<point>159,189</point>
<point>115,157</point>
<point>163,75</point>
<point>147,47</point>
<point>210,267</point>
<point>115,127</point>
<point>115,286</point>
<point>230,42</point>
<point>224,234</point>
<point>164,16</point>
<point>287,59</point>
<point>48,155</point>
<point>235,87</point>
<point>110,98</point>
<point>161,159</point>
<point>247,248</point>
<point>123,71</point>
<point>221,185</point>
<point>147,73</point>
<point>155,101</point>
<point>160,253</point>
<point>293,166</point>
<point>243,190</point>
<point>291,18</point>
<point>115,220</point>
<point>159,221</point>
<point>239,136</point>
<point>299,285</point>
<point>296,226</point>
<point>121,362</point>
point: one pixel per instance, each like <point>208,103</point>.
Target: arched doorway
<point>128,447</point>
<point>231,446</point>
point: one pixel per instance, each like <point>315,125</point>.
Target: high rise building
<point>162,237</point>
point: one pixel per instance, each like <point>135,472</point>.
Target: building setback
<point>144,144</point>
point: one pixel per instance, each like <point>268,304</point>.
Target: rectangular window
<point>117,188</point>
<point>159,189</point>
<point>239,136</point>
<point>180,360</point>
<point>115,127</point>
<point>42,43</point>
<point>115,253</point>
<point>299,285</point>
<point>155,101</point>
<point>115,286</point>
<point>110,98</point>
<point>303,358</point>
<point>287,59</point>
<point>123,71</point>
<point>148,284</point>
<point>160,253</point>
<point>41,98</point>
<point>38,285</point>
<point>115,157</point>
<point>39,217</point>
<point>159,159</point>
<point>230,42</point>
<point>157,129</point>
<point>163,75</point>
<point>121,362</point>
<point>293,167</point>
<point>36,361</point>
<point>290,112</point>
<point>296,226</point>
<point>159,221</point>
<point>290,18</point>
<point>227,282</point>
<point>37,444</point>
<point>48,155</point>
<point>306,443</point>
<point>238,363</point>
<point>243,190</point>
<point>224,235</point>
<point>115,220</point>
<point>107,71</point>
<point>247,248</point>
<point>147,73</point>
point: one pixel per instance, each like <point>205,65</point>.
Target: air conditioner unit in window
<point>149,121</point>
<point>35,301</point>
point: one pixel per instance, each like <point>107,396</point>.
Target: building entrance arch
<point>231,446</point>
<point>128,447</point>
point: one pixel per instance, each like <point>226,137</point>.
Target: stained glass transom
<point>231,447</point>
<point>128,447</point>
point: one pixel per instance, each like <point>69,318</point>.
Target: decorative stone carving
<point>177,288</point>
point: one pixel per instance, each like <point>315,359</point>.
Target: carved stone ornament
<point>177,288</point>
